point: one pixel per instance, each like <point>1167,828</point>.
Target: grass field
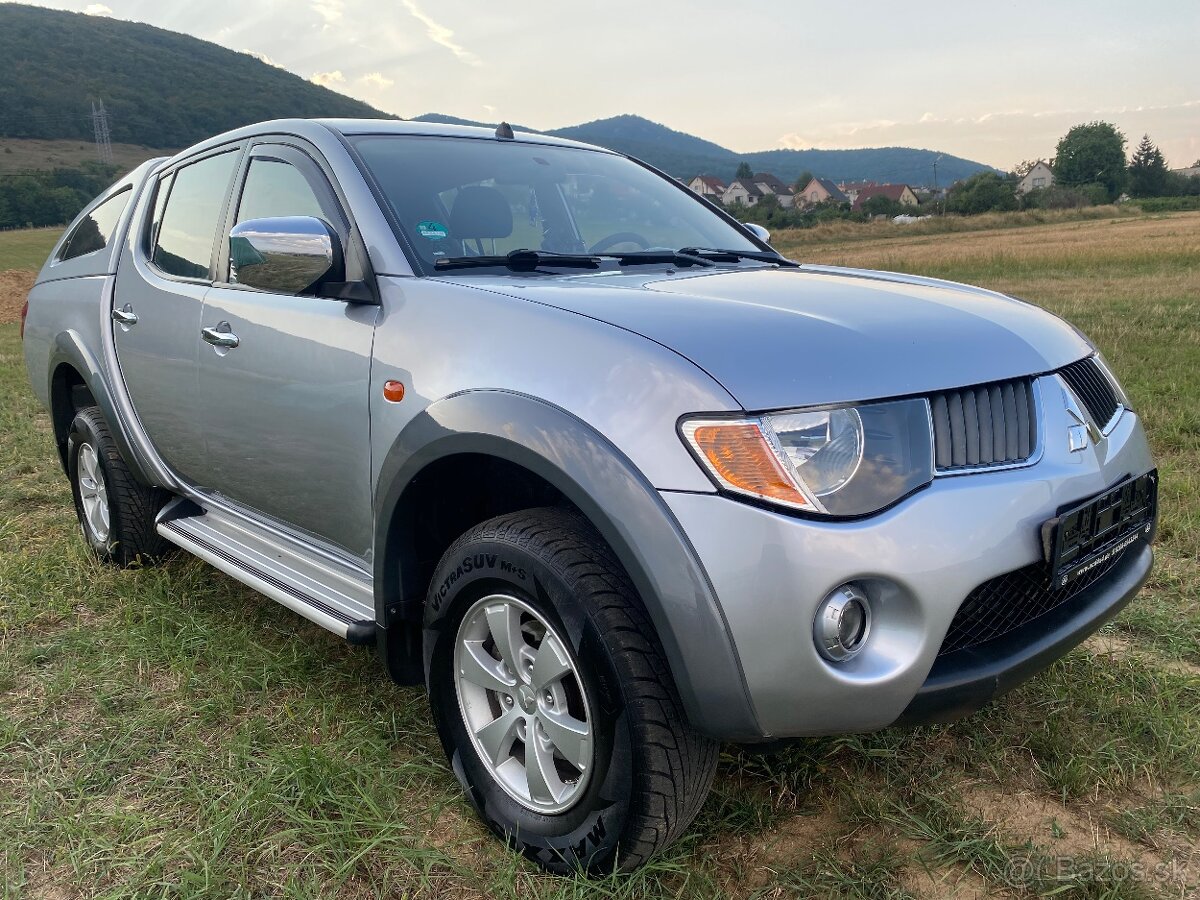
<point>169,733</point>
<point>27,248</point>
<point>24,154</point>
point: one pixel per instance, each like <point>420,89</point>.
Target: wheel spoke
<point>504,621</point>
<point>570,736</point>
<point>544,784</point>
<point>477,666</point>
<point>550,664</point>
<point>495,738</point>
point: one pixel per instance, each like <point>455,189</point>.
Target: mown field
<point>169,733</point>
<point>25,154</point>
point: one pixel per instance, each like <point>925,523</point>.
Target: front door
<point>164,274</point>
<point>284,414</point>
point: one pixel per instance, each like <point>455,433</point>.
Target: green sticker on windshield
<point>434,231</point>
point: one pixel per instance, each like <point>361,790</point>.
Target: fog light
<point>843,623</point>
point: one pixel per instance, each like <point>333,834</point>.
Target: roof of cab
<point>435,129</point>
<point>312,128</point>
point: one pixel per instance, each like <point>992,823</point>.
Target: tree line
<point>54,197</point>
<point>1089,166</point>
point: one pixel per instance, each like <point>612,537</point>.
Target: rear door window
<point>183,245</point>
<point>96,229</point>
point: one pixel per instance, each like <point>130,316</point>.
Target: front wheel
<point>553,698</point>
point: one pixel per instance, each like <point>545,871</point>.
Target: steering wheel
<point>619,237</point>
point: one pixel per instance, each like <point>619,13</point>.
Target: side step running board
<point>338,602</point>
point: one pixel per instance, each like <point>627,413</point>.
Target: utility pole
<point>103,138</point>
<point>936,199</point>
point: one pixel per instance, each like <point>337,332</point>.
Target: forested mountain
<point>160,89</point>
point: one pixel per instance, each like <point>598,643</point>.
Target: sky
<point>996,82</point>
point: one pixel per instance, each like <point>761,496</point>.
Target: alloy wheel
<point>93,493</point>
<point>523,703</point>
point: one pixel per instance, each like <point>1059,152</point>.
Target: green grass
<point>27,248</point>
<point>169,733</point>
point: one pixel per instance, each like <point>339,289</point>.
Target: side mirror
<point>287,255</point>
<point>758,231</point>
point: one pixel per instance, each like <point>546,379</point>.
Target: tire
<point>116,512</point>
<point>647,771</point>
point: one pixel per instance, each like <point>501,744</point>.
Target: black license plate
<point>1094,532</point>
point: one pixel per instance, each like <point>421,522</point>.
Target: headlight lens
<point>823,447</point>
<point>840,461</point>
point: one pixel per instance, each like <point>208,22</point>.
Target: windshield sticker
<point>433,231</point>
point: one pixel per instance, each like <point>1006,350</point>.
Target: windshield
<point>456,198</point>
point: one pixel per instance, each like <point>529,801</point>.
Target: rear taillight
<point>24,313</point>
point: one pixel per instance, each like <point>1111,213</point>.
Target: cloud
<point>328,79</point>
<point>261,57</point>
<point>97,9</point>
<point>441,35</point>
<point>329,10</point>
<point>376,80</point>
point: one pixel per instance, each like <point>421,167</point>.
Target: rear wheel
<point>553,698</point>
<point>116,512</point>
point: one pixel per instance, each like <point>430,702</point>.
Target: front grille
<point>1009,601</point>
<point>988,425</point>
<point>1091,385</point>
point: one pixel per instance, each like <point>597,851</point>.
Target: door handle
<point>124,316</point>
<point>219,338</point>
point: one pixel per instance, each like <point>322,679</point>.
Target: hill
<point>161,89</point>
<point>684,155</point>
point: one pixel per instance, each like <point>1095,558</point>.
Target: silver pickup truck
<point>583,454</point>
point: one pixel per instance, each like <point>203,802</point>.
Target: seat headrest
<point>480,212</point>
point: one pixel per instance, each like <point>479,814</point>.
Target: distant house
<point>707,186</point>
<point>741,191</point>
<point>899,193</point>
<point>852,188</point>
<point>821,190</point>
<point>1189,172</point>
<point>769,184</point>
<point>1039,176</point>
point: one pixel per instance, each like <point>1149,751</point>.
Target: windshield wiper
<point>650,257</point>
<point>735,255</point>
<point>521,261</point>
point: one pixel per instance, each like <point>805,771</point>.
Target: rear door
<point>285,414</point>
<point>165,271</point>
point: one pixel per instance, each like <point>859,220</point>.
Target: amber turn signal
<point>393,391</point>
<point>740,456</point>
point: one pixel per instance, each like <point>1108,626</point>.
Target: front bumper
<point>918,561</point>
<point>963,681</point>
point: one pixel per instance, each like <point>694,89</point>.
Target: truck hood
<point>775,338</point>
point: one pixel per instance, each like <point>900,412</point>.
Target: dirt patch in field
<point>14,288</point>
<point>1115,647</point>
<point>1074,835</point>
<point>944,883</point>
<point>1045,821</point>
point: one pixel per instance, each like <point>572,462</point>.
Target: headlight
<point>838,461</point>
